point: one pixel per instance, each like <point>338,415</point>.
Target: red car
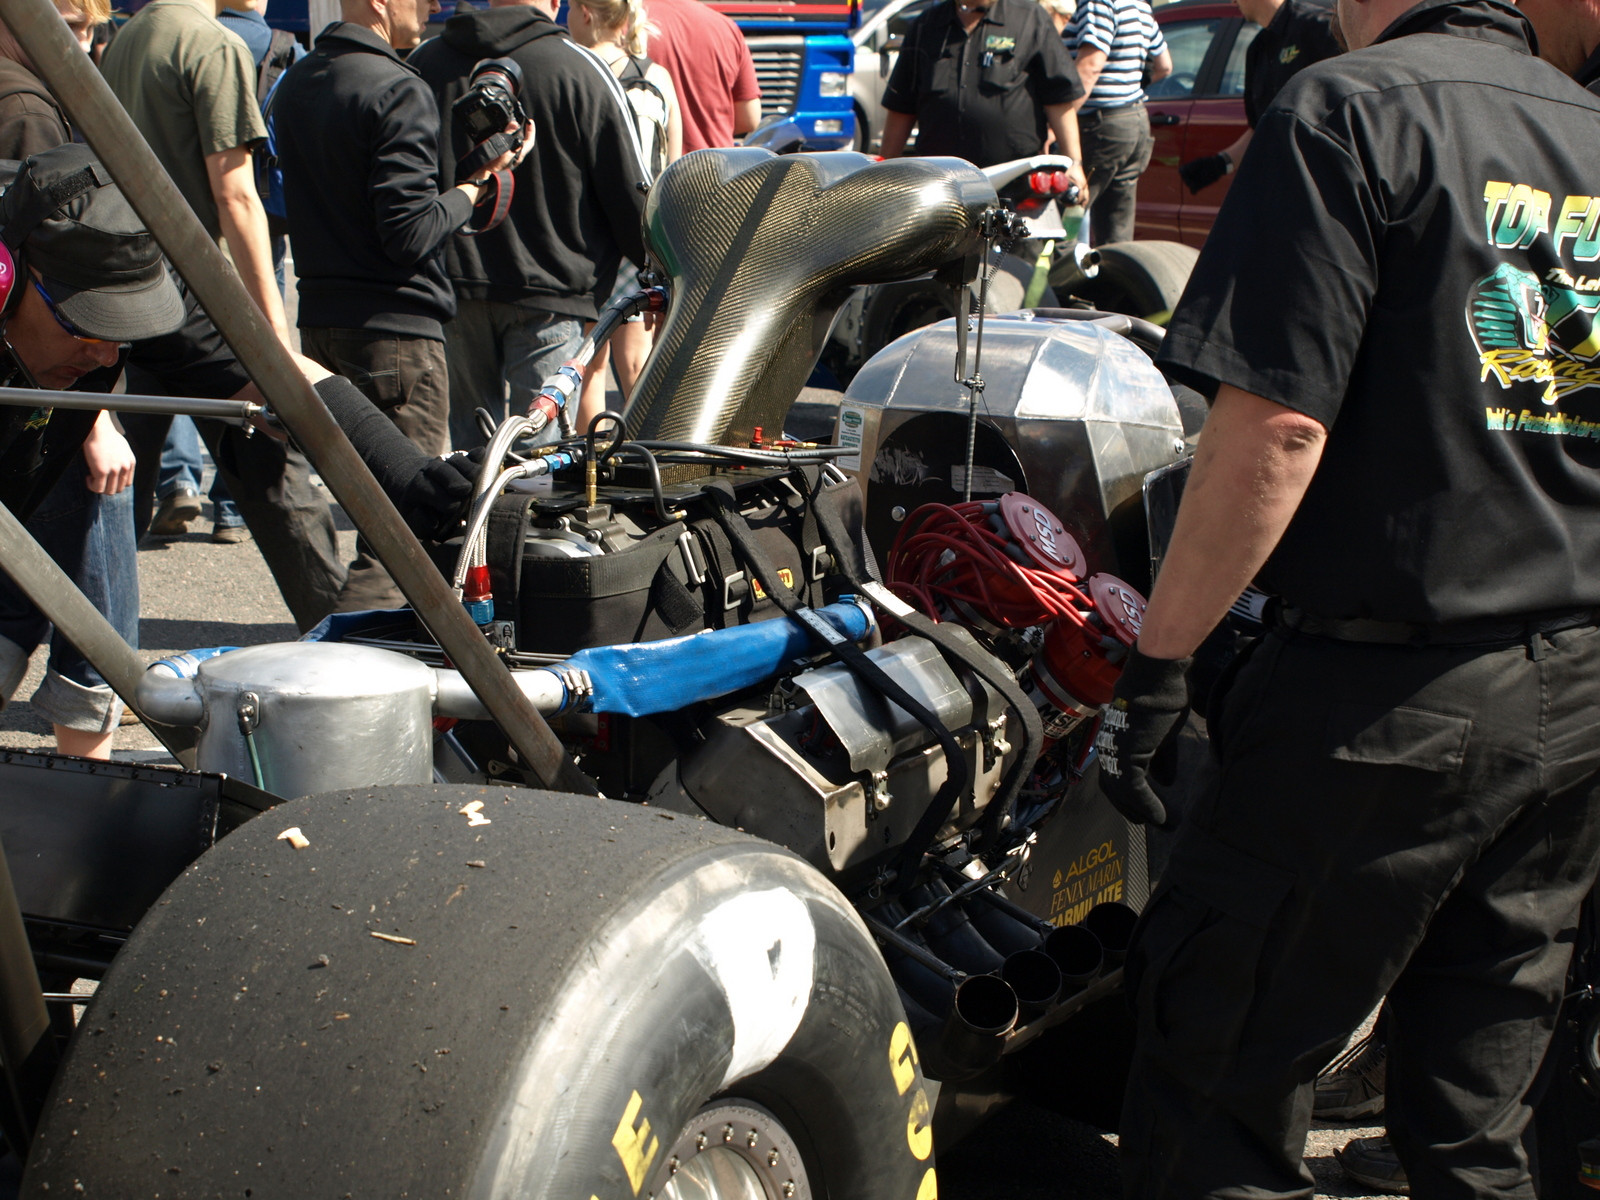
<point>1195,111</point>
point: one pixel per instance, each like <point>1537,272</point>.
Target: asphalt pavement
<point>197,594</point>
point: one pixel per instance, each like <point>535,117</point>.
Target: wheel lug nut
<point>752,1139</point>
<point>727,1133</point>
<point>672,1165</point>
<point>772,1158</point>
<point>788,1190</point>
<point>700,1141</point>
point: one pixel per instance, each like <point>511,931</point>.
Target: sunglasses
<point>64,323</point>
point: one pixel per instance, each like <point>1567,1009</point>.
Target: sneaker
<point>176,510</point>
<point>230,535</point>
<point>1352,1086</point>
<point>1372,1162</point>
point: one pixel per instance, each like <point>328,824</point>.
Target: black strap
<point>484,153</point>
<point>492,209</point>
<point>854,560</point>
<point>507,539</point>
<point>674,603</point>
<point>726,509</point>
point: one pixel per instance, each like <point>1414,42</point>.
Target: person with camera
<point>358,139</point>
<point>524,288</point>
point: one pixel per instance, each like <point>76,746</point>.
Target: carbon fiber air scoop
<point>760,251</point>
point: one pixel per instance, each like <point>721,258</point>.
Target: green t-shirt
<point>190,86</point>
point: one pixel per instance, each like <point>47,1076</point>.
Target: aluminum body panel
<point>760,250</point>
<point>766,776</point>
<point>873,729</point>
<point>330,716</point>
<point>1071,413</point>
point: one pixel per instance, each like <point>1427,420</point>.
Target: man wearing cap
<point>83,287</point>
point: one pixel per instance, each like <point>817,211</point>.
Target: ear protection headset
<point>24,211</point>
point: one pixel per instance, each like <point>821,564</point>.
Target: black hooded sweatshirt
<point>578,206</point>
<point>356,136</point>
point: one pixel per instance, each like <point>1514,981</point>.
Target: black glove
<point>435,499</point>
<point>1201,173</point>
<point>1146,712</point>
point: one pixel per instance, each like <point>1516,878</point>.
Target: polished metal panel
<point>763,774</point>
<point>1072,414</point>
<point>872,729</point>
<point>760,251</point>
<point>328,715</point>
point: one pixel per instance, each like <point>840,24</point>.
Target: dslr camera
<point>485,110</point>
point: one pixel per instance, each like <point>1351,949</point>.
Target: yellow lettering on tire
<point>903,1057</point>
<point>635,1147</point>
<point>919,1126</point>
<point>928,1189</point>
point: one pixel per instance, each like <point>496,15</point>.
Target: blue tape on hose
<point>335,627</point>
<point>187,664</point>
<point>654,677</point>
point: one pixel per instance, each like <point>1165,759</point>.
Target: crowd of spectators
<point>398,288</point>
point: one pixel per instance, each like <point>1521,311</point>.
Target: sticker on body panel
<point>761,949</point>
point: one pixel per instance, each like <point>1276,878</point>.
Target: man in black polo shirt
<point>983,80</point>
<point>1294,34</point>
<point>1395,317</point>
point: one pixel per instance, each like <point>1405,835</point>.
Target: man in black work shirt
<point>1294,34</point>
<point>983,80</point>
<point>1395,317</point>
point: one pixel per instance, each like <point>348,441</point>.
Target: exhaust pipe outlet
<point>1113,924</point>
<point>1077,954</point>
<point>974,1035</point>
<point>1074,270</point>
<point>1036,980</point>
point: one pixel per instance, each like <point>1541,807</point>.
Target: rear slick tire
<point>578,999</point>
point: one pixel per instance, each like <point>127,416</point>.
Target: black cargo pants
<point>1417,822</point>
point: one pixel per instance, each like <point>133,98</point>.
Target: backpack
<point>649,112</point>
<point>283,53</point>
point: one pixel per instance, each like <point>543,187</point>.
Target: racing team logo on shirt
<point>1529,329</point>
<point>1288,54</point>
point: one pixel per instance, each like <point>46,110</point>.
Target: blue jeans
<point>492,346</point>
<point>91,537</point>
<point>181,466</point>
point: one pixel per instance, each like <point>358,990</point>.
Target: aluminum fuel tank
<point>1071,413</point>
<point>321,715</point>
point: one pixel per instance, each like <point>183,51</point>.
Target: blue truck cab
<point>804,57</point>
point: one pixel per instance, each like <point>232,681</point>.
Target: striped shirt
<point>1127,33</point>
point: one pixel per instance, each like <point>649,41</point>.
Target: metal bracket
<point>729,600</point>
<point>691,567</point>
<point>249,712</point>
<point>995,745</point>
<point>880,791</point>
<point>821,562</point>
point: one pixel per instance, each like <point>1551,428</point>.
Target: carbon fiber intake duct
<point>760,251</point>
